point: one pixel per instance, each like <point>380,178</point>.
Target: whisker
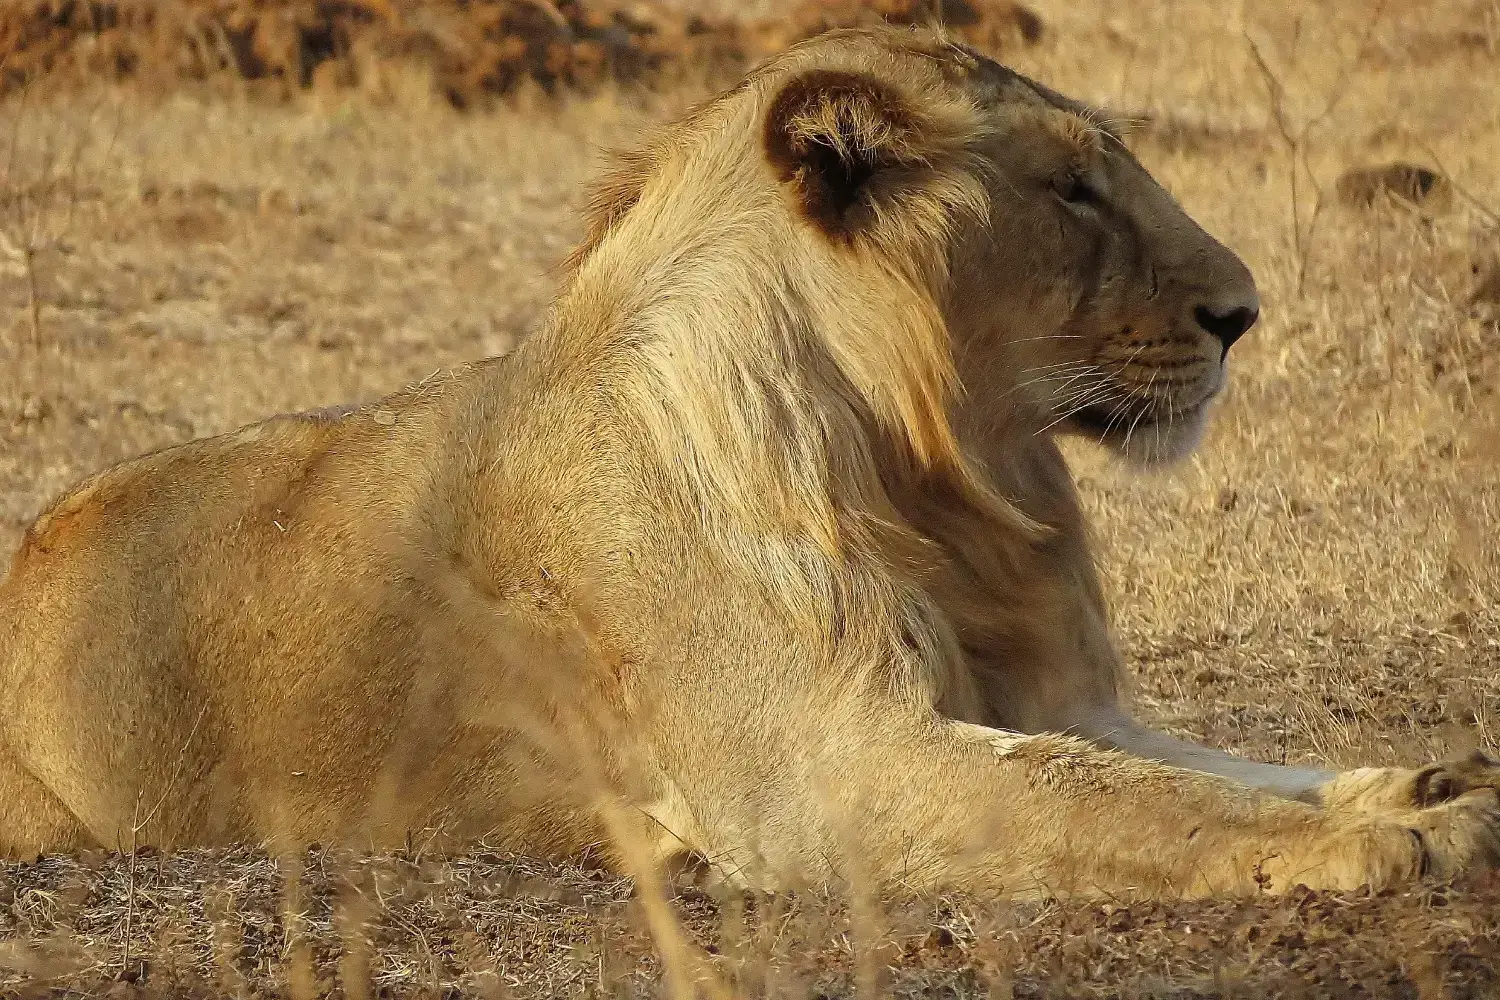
<point>1050,336</point>
<point>1142,413</point>
<point>1116,413</point>
<point>1057,366</point>
<point>1087,395</point>
<point>1102,375</point>
<point>1086,370</point>
<point>1087,402</point>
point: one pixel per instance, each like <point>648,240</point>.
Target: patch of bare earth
<point>1321,581</point>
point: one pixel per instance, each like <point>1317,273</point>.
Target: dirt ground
<point>1320,582</point>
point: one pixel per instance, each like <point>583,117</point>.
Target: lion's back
<point>154,500</point>
<point>159,592</point>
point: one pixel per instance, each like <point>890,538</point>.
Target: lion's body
<point>236,724</point>
<point>722,542</point>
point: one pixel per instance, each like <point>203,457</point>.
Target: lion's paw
<point>1400,792</point>
<point>1450,813</point>
<point>1439,842</point>
<point>1461,834</point>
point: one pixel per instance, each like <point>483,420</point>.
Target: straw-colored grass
<point>1322,580</point>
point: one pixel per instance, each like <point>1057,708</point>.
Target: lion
<point>759,554</point>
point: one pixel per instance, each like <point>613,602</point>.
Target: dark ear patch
<point>828,134</point>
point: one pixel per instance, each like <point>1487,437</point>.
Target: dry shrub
<point>469,51</point>
<point>1175,133</point>
<point>1368,187</point>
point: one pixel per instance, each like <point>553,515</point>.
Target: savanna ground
<point>1320,582</point>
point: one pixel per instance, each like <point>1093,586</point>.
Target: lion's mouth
<point>1105,418</point>
<point>1114,418</point>
<point>1145,434</point>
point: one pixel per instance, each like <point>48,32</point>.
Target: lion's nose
<point>1228,323</point>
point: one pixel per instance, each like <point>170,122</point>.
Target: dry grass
<point>490,925</point>
<point>1321,581</point>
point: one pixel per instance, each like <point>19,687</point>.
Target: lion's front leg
<point>1236,843</point>
<point>939,805</point>
<point>1450,808</point>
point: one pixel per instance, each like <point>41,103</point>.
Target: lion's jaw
<point>1147,441</point>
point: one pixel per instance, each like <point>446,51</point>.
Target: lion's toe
<point>1450,780</point>
<point>1400,792</point>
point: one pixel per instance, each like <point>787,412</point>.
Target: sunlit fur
<point>759,550</point>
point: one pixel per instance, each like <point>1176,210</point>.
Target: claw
<point>1433,784</point>
<point>1424,854</point>
<point>1439,783</point>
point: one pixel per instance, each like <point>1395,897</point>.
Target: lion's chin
<point>1162,443</point>
<point>1147,444</point>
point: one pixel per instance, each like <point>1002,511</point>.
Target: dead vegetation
<point>1364,187</point>
<point>493,925</point>
<point>1321,581</point>
<point>468,51</point>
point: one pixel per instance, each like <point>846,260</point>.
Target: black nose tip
<point>1228,325</point>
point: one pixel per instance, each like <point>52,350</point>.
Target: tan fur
<point>761,544</point>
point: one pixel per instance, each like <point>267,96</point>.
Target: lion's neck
<point>797,399</point>
<point>785,385</point>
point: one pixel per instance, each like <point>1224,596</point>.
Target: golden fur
<point>759,551</point>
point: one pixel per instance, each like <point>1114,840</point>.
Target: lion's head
<point>1054,285</point>
<point>1092,285</point>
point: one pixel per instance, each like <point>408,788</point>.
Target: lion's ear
<point>832,136</point>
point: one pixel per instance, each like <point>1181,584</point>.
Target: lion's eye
<point>1072,188</point>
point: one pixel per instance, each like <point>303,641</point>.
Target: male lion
<point>759,551</point>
